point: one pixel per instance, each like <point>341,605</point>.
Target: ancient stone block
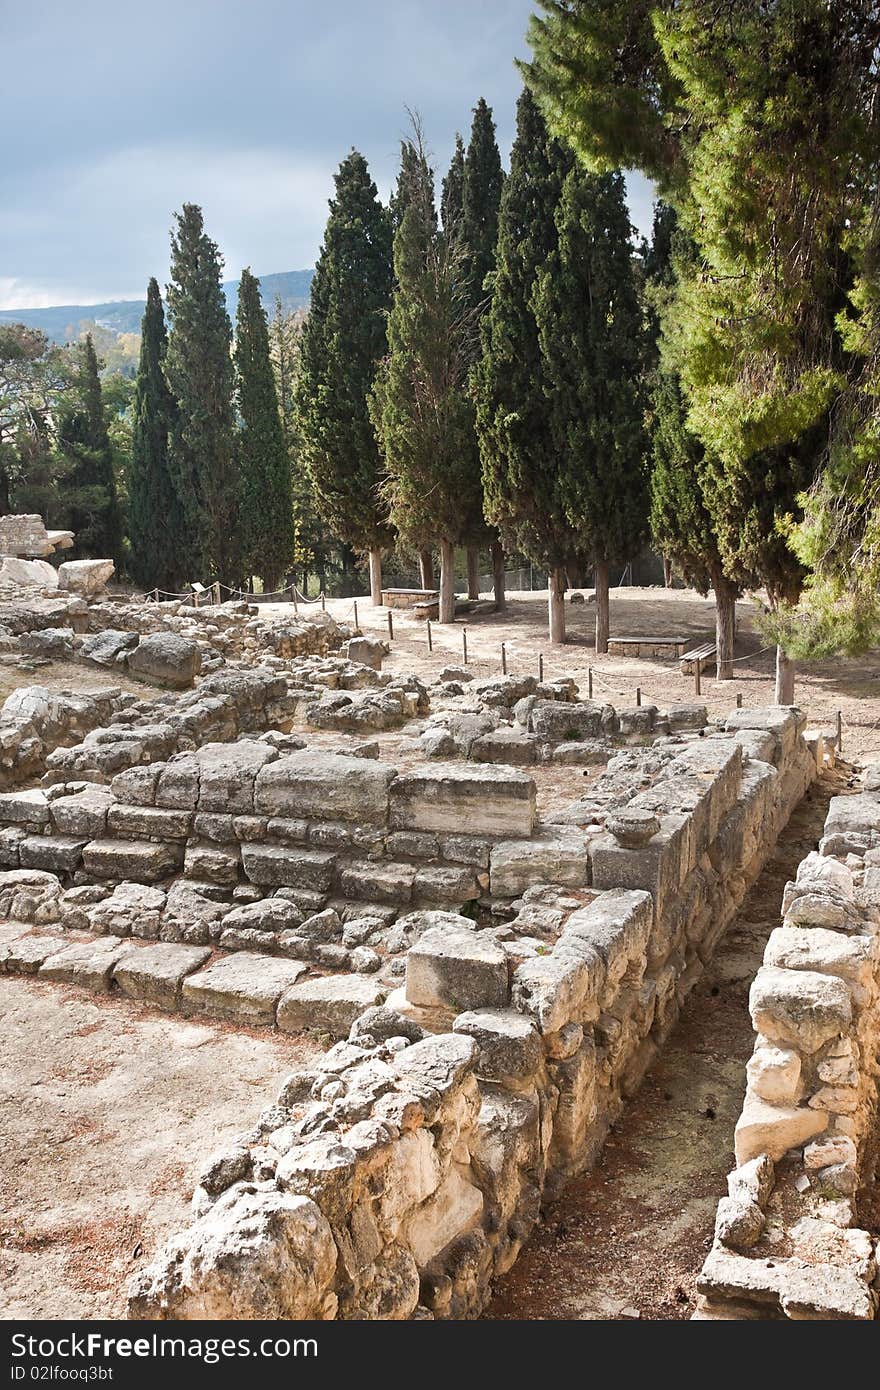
<point>325,786</point>
<point>331,1003</point>
<point>148,821</point>
<point>774,1129</point>
<point>457,968</point>
<point>142,860</point>
<point>89,964</point>
<point>509,1044</point>
<point>155,974</point>
<point>462,797</point>
<point>59,854</point>
<point>280,866</point>
<point>799,1007</point>
<point>380,882</point>
<point>515,865</point>
<point>165,658</point>
<point>244,986</point>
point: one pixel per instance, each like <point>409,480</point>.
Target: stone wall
<point>403,1171</point>
<point>787,1240</point>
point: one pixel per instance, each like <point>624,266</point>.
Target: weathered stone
<point>25,954</point>
<point>266,915</point>
<point>212,865</point>
<point>508,744</point>
<point>515,865</point>
<point>458,968</point>
<point>441,1062</point>
<point>632,828</point>
<point>244,986</point>
<point>800,1007</point>
<point>325,786</point>
<point>753,1181</point>
<point>556,721</point>
<point>738,1222</point>
<point>510,1047</point>
<point>142,860</point>
<point>105,647</point>
<point>24,808</point>
<point>89,964</point>
<point>84,813</point>
<point>86,577</point>
<point>774,1129</point>
<point>330,1004</point>
<point>155,974</point>
<point>775,1074</point>
<point>450,796</point>
<point>144,822</point>
<point>227,772</point>
<point>367,651</point>
<point>254,1255</point>
<point>280,866</point>
<point>380,882</point>
<point>165,658</point>
<point>60,854</point>
<point>132,909</point>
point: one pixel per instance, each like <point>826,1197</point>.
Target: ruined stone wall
<point>403,1170</point>
<point>787,1241</point>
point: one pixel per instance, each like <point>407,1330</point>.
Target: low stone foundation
<point>403,1170</point>
<point>787,1241</point>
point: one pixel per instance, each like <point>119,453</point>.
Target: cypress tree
<point>265,504</point>
<point>200,376</point>
<point>420,406</point>
<point>522,481</point>
<point>153,510</point>
<point>452,196</point>
<point>591,334</point>
<point>343,342</point>
<point>90,485</point>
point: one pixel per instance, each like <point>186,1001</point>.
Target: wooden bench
<point>648,646</point>
<point>704,655</point>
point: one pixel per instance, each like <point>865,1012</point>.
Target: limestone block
<point>89,964</point>
<point>464,797</point>
<point>738,1222</point>
<point>616,925</point>
<point>456,1207</point>
<point>457,968</point>
<point>445,884</point>
<point>244,986</point>
<point>774,1129</point>
<point>59,854</point>
<point>656,867</point>
<point>515,865</point>
<point>852,958</point>
<point>377,882</point>
<point>562,721</point>
<point>155,974</point>
<point>367,651</point>
<point>227,772</point>
<point>86,577</point>
<point>83,813</point>
<point>145,822</point>
<point>686,716</point>
<point>279,866</point>
<point>331,1003</point>
<point>799,1007</point>
<point>132,909</point>
<point>166,659</point>
<point>774,1074</point>
<point>753,1181</point>
<point>137,786</point>
<point>555,989</point>
<point>25,954</point>
<point>212,865</point>
<point>325,786</point>
<point>510,1046</point>
<point>254,1255</point>
<point>141,860</point>
<point>508,744</point>
<point>24,808</point>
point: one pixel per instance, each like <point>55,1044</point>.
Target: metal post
<point>839,732</point>
<point>697,690</point>
<point>590,682</point>
<point>638,695</point>
<point>355,613</point>
<point>503,659</point>
<point>390,625</point>
<point>540,666</point>
<point>430,643</point>
<point>464,644</point>
<point>739,699</point>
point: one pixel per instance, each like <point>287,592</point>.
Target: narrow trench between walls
<point>627,1239</point>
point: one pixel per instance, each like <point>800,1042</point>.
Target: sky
<point>112,115</point>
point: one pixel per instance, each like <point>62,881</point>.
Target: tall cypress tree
<point>156,557</point>
<point>420,406</point>
<point>591,334</point>
<point>452,195</point>
<point>343,342</point>
<point>265,503</point>
<point>522,479</point>
<point>200,376</point>
<point>90,485</point>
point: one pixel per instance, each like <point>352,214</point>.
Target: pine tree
<point>343,342</point>
<point>592,341</point>
<point>522,482</point>
<point>200,376</point>
<point>265,506</point>
<point>90,486</point>
<point>156,552</point>
<point>420,406</point>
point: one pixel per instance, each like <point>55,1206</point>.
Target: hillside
<point>61,322</point>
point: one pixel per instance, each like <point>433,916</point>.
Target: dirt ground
<point>822,688</point>
<point>107,1111</point>
<point>61,676</point>
<point>628,1240</point>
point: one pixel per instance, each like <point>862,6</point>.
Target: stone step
<point>142,861</point>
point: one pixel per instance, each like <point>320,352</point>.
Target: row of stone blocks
<point>804,1140</point>
<point>403,1170</point>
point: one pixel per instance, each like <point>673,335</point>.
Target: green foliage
<point>343,341</point>
<point>265,505</point>
<point>91,508</point>
<point>522,479</point>
<point>200,376</point>
<point>482,182</point>
<point>452,196</point>
<point>157,557</point>
<point>420,406</point>
<point>590,332</point>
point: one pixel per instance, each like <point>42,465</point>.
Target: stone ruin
<point>489,899</point>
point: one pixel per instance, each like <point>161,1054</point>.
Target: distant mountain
<point>61,323</point>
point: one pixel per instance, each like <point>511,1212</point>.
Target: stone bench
<point>668,647</point>
<point>408,599</point>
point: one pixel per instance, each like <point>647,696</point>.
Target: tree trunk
<point>426,569</point>
<point>498,575</point>
<point>473,571</point>
<point>667,572</point>
<point>577,577</point>
<point>376,578</point>
<point>447,582</point>
<point>556,605</point>
<point>725,626</point>
<point>784,678</point>
<point>603,625</point>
